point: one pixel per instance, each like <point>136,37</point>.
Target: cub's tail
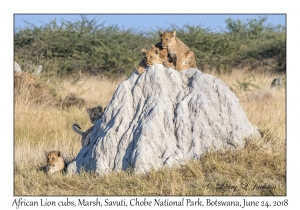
<point>77,128</point>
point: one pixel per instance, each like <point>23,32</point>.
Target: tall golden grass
<point>261,165</point>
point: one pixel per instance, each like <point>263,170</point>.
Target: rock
<point>276,82</point>
<point>17,67</point>
<point>164,118</point>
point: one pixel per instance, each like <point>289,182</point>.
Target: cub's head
<point>151,56</point>
<point>95,113</point>
<point>163,53</point>
<point>55,161</point>
<point>167,38</point>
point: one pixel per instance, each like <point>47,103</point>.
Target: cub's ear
<point>143,51</point>
<point>88,110</point>
<point>156,51</point>
<point>161,32</point>
<point>58,153</point>
<point>100,108</point>
<point>174,33</point>
<point>152,46</point>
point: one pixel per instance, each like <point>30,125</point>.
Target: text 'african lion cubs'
<point>182,56</point>
<point>55,162</point>
<point>155,55</point>
<point>94,113</point>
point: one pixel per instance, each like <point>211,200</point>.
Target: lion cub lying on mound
<point>182,56</point>
<point>55,162</point>
<point>155,55</point>
<point>94,113</point>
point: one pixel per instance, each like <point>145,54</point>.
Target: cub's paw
<point>141,70</point>
<point>168,64</point>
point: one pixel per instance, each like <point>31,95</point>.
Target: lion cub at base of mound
<point>155,55</point>
<point>182,56</point>
<point>55,162</point>
<point>94,113</point>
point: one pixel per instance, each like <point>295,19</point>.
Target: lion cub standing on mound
<point>182,56</point>
<point>155,55</point>
<point>94,113</point>
<point>55,162</point>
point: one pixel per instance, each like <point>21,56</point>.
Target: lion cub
<point>182,56</point>
<point>55,162</point>
<point>155,55</point>
<point>94,113</point>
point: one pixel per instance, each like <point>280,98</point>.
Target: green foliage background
<point>92,47</point>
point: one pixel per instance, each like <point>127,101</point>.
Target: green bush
<point>246,84</point>
<point>89,46</point>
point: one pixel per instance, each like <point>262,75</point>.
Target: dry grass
<point>41,127</point>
